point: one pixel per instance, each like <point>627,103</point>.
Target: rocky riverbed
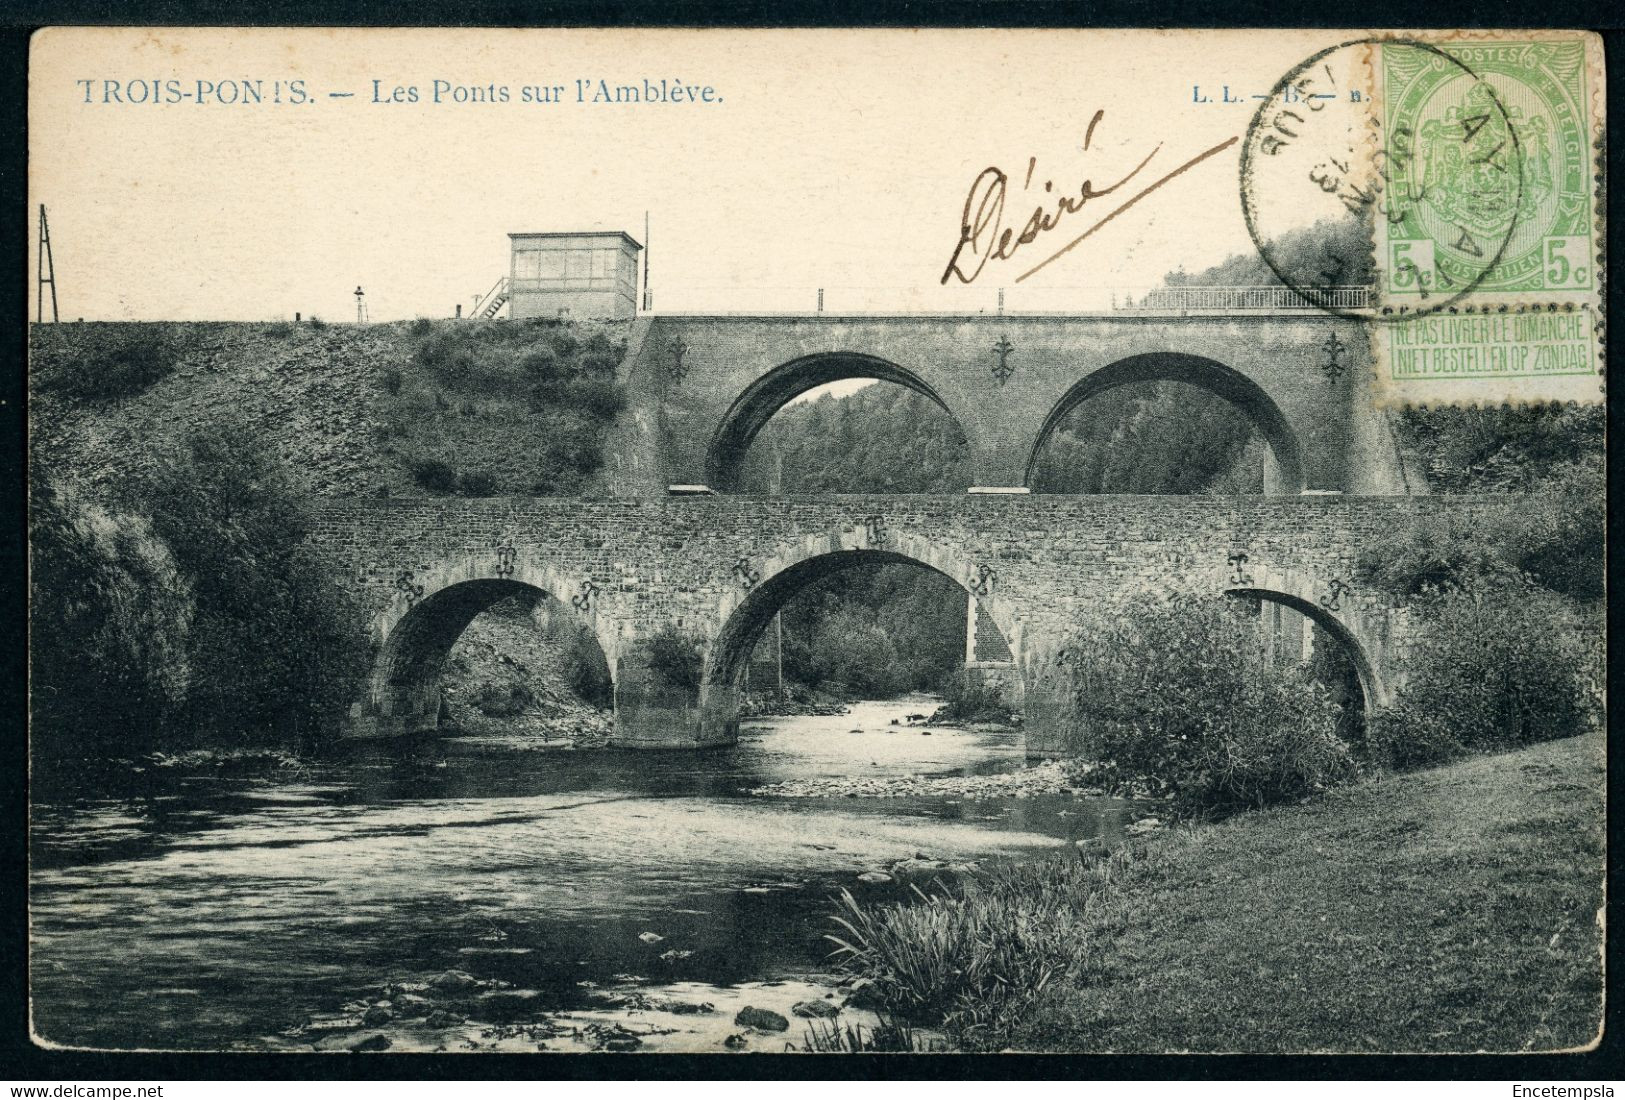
<point>1053,777</point>
<point>455,1011</point>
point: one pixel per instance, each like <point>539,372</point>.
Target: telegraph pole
<point>47,270</point>
<point>648,302</point>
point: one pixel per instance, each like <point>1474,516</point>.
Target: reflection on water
<point>194,911</point>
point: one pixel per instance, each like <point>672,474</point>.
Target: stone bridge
<point>702,387</point>
<point>717,568</point>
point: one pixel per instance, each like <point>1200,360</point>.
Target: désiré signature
<point>983,237</point>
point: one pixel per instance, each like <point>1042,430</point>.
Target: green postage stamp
<point>1489,251</point>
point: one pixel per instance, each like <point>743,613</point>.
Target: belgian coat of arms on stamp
<point>1502,158</point>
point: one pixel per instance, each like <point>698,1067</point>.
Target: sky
<point>826,159</point>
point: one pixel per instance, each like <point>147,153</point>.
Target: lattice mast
<point>47,270</point>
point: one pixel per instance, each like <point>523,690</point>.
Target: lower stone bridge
<point>717,569</point>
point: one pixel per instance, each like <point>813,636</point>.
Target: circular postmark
<point>1384,179</point>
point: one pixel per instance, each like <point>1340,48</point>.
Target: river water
<point>184,909</point>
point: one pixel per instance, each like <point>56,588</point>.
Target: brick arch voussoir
<point>922,550</point>
<point>571,590</point>
<point>795,370</point>
<point>1331,602</point>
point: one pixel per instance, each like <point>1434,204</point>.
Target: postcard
<point>818,541</point>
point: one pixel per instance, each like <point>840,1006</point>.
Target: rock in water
<point>377,1017</point>
<point>684,1008</point>
<point>376,1041</point>
<point>815,1010</point>
<point>455,981</point>
<point>651,937</point>
<point>875,878</point>
<point>506,1005</point>
<point>410,1005</point>
<point>762,1019</point>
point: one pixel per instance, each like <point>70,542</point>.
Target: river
<point>578,900</point>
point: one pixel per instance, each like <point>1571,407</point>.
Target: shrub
<point>565,345</point>
<point>541,365</point>
<point>110,617</point>
<point>587,672</point>
<point>1560,535</point>
<point>1554,538</point>
<point>503,700</point>
<point>968,698</point>
<point>972,957</point>
<point>127,364</point>
<point>1442,550</point>
<point>1490,669</point>
<point>446,355</point>
<point>478,483</point>
<point>433,474</point>
<point>392,379</point>
<point>317,323</point>
<point>274,647</point>
<point>1178,698</point>
<point>421,326</point>
<point>675,658</point>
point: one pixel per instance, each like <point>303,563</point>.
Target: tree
<point>276,643</point>
<point>110,619</point>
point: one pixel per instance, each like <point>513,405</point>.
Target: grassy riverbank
<point>1447,910</point>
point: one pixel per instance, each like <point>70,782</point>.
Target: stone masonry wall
<point>629,568</point>
<point>692,376</point>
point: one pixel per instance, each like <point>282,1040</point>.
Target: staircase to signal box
<point>489,304</point>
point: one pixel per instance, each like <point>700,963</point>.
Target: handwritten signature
<point>983,236</point>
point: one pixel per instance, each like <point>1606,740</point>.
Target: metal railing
<point>1230,299</point>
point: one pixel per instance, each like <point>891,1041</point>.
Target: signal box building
<point>579,275</point>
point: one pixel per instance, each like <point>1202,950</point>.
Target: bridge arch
<point>742,617</point>
<point>755,406</point>
<point>414,634</point>
<point>1196,370</point>
<point>1373,690</point>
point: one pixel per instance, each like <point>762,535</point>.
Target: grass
<point>892,1036</point>
<point>1448,910</point>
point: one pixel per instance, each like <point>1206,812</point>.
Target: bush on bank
<point>111,623</point>
<point>1178,699</point>
<point>199,619</point>
<point>1492,669</point>
<point>974,957</point>
<point>1465,897</point>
